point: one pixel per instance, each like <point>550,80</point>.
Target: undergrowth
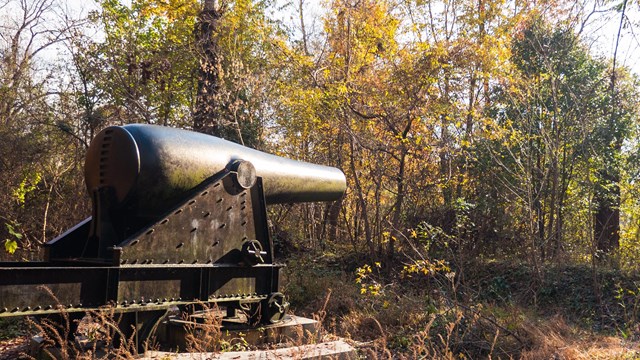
<point>495,311</point>
<point>498,311</point>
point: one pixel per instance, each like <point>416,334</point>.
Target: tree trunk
<point>397,211</point>
<point>206,116</point>
<point>362,202</point>
<point>607,228</point>
<point>607,215</point>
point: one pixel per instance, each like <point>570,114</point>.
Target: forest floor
<point>491,310</point>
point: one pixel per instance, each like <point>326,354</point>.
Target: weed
<point>629,301</point>
<point>11,328</point>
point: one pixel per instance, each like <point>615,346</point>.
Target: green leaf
<point>10,246</point>
<point>13,232</point>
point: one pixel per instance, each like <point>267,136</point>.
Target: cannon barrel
<point>150,166</point>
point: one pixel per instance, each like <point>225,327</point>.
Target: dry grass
<point>555,339</point>
<point>467,335</point>
<point>207,336</point>
<point>97,337</point>
<point>80,336</point>
<point>403,321</point>
<point>425,321</point>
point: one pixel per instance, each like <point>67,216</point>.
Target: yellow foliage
<point>425,267</point>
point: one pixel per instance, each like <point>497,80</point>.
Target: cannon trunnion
<point>178,218</point>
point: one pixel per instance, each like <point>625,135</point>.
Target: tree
<point>206,117</point>
<point>552,132</point>
<point>36,157</point>
<point>144,66</point>
<point>612,131</point>
<point>242,55</point>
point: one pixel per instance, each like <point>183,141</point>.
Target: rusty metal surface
<point>152,166</point>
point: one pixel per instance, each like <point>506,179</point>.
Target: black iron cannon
<point>178,218</point>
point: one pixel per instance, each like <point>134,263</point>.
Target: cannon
<point>178,218</point>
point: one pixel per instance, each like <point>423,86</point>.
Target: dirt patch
<point>17,348</point>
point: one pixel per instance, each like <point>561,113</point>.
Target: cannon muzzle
<point>150,167</point>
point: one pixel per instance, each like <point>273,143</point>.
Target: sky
<point>602,32</point>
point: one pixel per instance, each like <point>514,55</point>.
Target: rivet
<point>15,309</point>
<point>27,308</point>
<point>194,229</point>
<point>48,307</point>
<point>243,202</point>
<point>37,307</point>
<point>79,305</point>
<point>134,261</point>
<point>216,184</point>
<point>192,202</point>
<point>166,261</point>
<point>173,299</point>
<point>181,261</point>
<point>219,200</point>
<point>242,208</point>
<point>157,300</point>
<point>195,261</point>
<point>204,193</point>
<point>243,194</point>
<point>125,303</point>
<point>4,310</point>
<point>207,214</point>
<point>123,262</point>
<point>244,223</point>
<point>177,212</point>
<point>209,261</point>
<point>164,299</point>
<point>222,225</point>
<point>179,245</point>
<point>179,299</point>
<point>215,243</point>
<point>134,242</point>
<point>244,238</point>
<point>149,261</point>
<point>229,208</point>
<point>164,221</point>
<point>149,232</point>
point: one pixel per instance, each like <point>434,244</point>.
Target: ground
<point>498,310</point>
